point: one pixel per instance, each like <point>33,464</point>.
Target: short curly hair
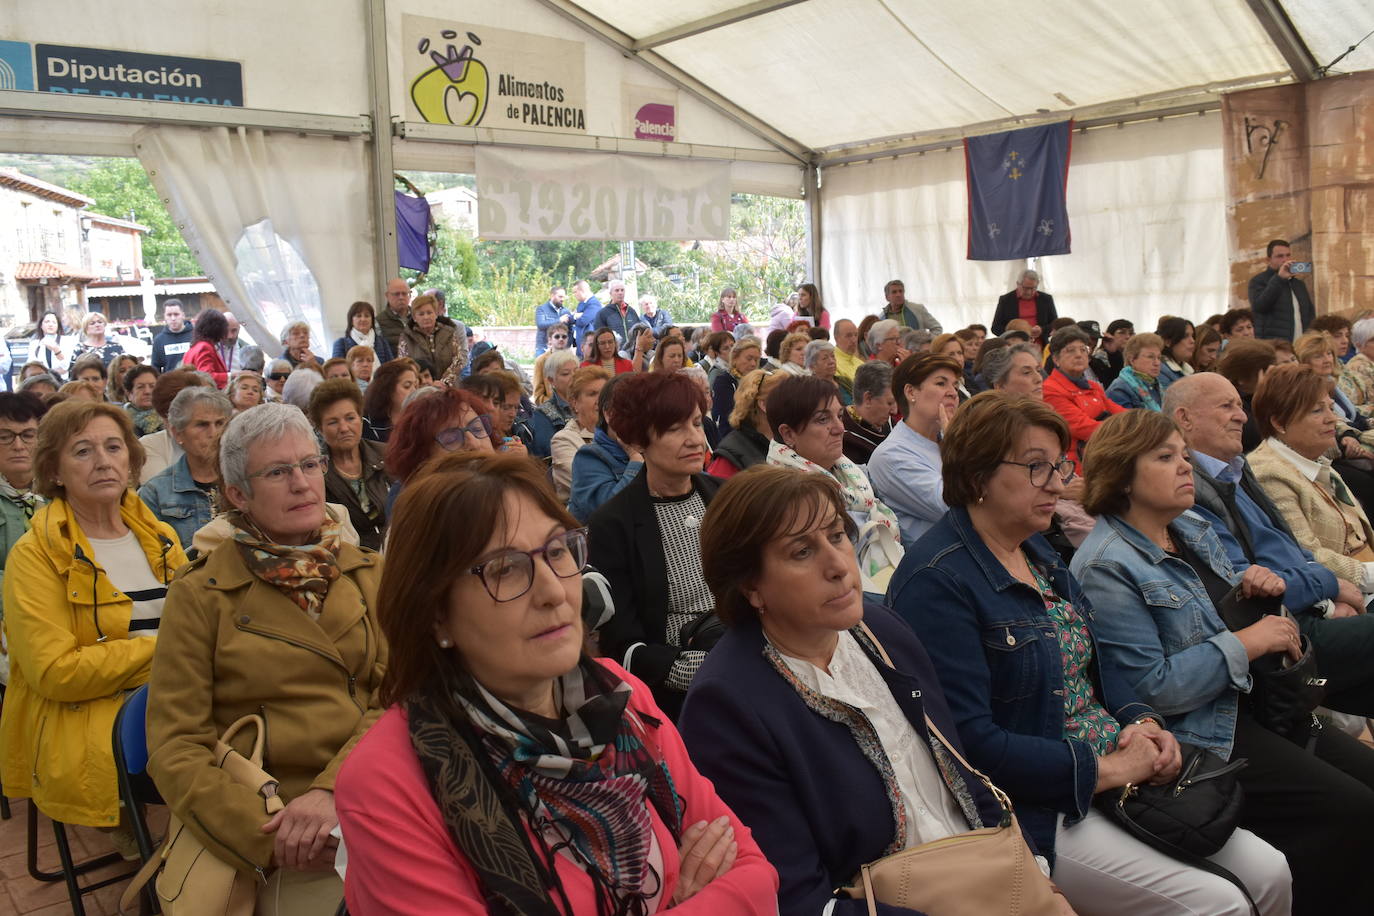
<point>983,432</point>
<point>327,394</point>
<point>646,405</point>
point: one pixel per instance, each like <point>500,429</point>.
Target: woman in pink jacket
<point>513,774</point>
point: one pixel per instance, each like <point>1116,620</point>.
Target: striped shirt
<point>124,561</point>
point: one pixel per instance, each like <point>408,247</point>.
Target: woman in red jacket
<point>513,773</point>
<point>1076,397</point>
<point>212,328</point>
<point>605,355</point>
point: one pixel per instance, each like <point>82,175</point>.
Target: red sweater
<point>622,364</point>
<point>1081,407</point>
<point>204,357</point>
<point>402,861</point>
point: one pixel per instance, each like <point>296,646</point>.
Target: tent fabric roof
<point>835,74</point>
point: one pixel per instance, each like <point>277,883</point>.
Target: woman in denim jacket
<point>1157,572</point>
<point>1039,709</point>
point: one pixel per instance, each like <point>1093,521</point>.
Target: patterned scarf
<point>26,500</point>
<point>878,545</point>
<point>303,573</point>
<point>1143,385</point>
<point>583,781</point>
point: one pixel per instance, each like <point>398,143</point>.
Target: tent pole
<point>385,258</point>
<point>812,192</point>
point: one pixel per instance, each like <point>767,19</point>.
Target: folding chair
<point>136,787</point>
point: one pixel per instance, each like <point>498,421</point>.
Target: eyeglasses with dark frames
<point>510,573</point>
<point>452,438</point>
<point>1040,471</point>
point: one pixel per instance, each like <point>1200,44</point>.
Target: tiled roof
<point>48,270</point>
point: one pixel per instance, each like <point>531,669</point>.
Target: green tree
<point>120,188</point>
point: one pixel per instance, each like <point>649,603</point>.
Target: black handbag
<point>702,633</point>
<point>1188,818</point>
<point>1285,691</point>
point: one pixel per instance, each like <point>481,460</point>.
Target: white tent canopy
<point>787,91</point>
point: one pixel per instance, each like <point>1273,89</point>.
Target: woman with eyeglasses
<point>511,772</point>
<point>19,416</point>
<point>357,477</point>
<point>436,421</point>
<point>84,592</point>
<point>1081,401</point>
<point>645,538</point>
<point>1048,716</point>
<point>279,620</point>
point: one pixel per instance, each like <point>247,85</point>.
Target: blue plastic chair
<point>136,787</point>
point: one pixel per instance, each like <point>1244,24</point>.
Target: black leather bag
<point>1190,817</point>
<point>1285,691</point>
<point>702,633</point>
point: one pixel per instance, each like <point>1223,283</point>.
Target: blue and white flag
<point>1017,181</point>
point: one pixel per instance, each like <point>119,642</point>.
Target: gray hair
<point>997,363</point>
<point>184,405</point>
<point>278,366</point>
<point>814,349</point>
<point>419,391</point>
<point>876,334</point>
<point>695,372</point>
<point>872,379</point>
<point>286,331</point>
<point>39,379</point>
<point>269,422</point>
<point>554,360</point>
<point>1361,332</point>
<point>299,386</point>
<point>252,359</point>
<point>742,330</point>
<point>1028,275</point>
<point>1066,335</point>
<point>915,339</point>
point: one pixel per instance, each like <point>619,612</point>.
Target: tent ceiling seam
<point>710,23</point>
<point>944,63</point>
<point>1285,38</point>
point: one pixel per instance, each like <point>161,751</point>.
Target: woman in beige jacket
<point>277,620</point>
<point>1293,464</point>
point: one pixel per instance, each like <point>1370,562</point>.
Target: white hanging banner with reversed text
<point>548,194</point>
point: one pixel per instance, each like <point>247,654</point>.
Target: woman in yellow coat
<point>83,598</point>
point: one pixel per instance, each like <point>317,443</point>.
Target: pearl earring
<point>446,643</point>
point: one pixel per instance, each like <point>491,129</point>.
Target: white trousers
<point>1104,871</point>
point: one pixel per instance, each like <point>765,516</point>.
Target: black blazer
<point>1007,309</point>
<point>627,547</point>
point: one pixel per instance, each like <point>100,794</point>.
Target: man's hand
<point>1347,593</point>
<point>1284,272</point>
<point>1260,582</point>
<point>302,832</point>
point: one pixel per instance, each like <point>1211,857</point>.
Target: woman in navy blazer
<point>1042,711</point>
<point>789,763</point>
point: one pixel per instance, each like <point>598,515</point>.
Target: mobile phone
<point>1299,267</point>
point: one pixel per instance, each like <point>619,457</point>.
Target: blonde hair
<point>750,396</point>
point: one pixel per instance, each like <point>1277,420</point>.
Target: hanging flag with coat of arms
<point>1017,186</point>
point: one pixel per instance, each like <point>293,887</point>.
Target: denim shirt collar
<point>1035,546</point>
<point>604,440</point>
<point>1188,527</point>
<point>182,481</point>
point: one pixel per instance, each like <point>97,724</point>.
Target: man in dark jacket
<point>1282,305</point>
<point>617,314</point>
<point>391,319</point>
<point>1027,294</point>
<point>171,344</point>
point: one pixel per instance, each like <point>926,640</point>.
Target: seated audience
<point>848,358</point>
<point>90,371</point>
<point>604,466</point>
<point>1161,571</point>
<point>1357,381</point>
<point>512,772</point>
<point>391,384</point>
<point>41,385</point>
<point>304,379</point>
<point>669,356</point>
<point>708,425</point>
<point>951,347</point>
<point>868,421</point>
<point>1110,356</point>
<point>115,392</point>
<point>1237,324</point>
<point>295,337</point>
<point>362,332</point>
<point>336,368</point>
<point>1075,397</point>
<point>357,477</point>
<point>160,449</point>
<point>183,494</point>
<point>432,337</point>
<point>554,412</point>
<point>245,390</point>
<point>279,620</point>
<point>605,347</point>
<point>278,371</point>
<point>560,340</point>
<point>716,356</point>
<point>362,361</point>
<point>819,359</point>
<point>139,383</point>
<point>1244,363</point>
<point>1137,384</point>
<point>435,421</point>
<point>1045,714</point>
<point>1354,430</point>
<point>884,341</point>
<point>1206,347</point>
<point>19,497</point>
<point>804,413</point>
<point>82,391</point>
<point>84,590</point>
<point>1179,343</point>
<point>510,428</point>
<point>803,653</point>
<point>744,358</point>
<point>644,539</point>
<point>791,355</point>
<point>1337,327</point>
<point>905,468</point>
<point>584,392</point>
<point>747,443</point>
<point>208,346</point>
<point>1253,531</point>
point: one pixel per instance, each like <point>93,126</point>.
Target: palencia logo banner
<point>465,74</point>
<point>550,194</point>
<point>651,114</point>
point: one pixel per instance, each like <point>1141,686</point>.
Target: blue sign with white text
<point>16,65</point>
<point>131,75</point>
<point>1017,193</point>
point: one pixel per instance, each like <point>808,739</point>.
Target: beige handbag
<point>192,880</point>
<point>978,873</point>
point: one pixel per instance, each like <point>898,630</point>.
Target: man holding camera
<point>1282,305</point>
